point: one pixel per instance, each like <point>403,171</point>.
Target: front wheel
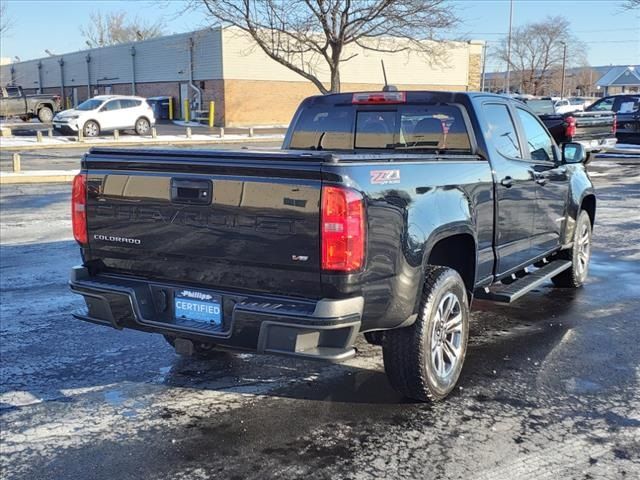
<point>424,361</point>
<point>91,129</point>
<point>579,254</point>
<point>142,126</point>
<point>45,115</point>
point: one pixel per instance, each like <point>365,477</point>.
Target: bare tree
<point>537,50</point>
<point>114,28</point>
<point>631,4</point>
<point>309,36</point>
<point>6,21</point>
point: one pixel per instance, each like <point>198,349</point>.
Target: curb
<point>37,176</point>
<point>185,142</point>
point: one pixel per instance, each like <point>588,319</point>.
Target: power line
<point>573,31</point>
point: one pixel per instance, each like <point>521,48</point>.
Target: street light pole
<point>484,66</point>
<point>564,63</point>
<point>507,81</point>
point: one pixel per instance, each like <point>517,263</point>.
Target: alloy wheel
<point>446,336</point>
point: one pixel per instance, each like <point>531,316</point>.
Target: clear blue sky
<point>613,36</point>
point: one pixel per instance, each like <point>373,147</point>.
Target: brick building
<point>224,65</point>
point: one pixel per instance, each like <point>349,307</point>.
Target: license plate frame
<point>202,308</point>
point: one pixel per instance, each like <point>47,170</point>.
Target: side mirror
<point>573,153</point>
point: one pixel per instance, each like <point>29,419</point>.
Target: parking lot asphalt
<point>550,388</point>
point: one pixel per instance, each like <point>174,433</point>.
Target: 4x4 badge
<point>384,177</point>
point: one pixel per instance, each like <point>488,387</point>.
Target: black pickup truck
<point>627,110</point>
<point>14,103</point>
<point>595,130</point>
<point>385,213</point>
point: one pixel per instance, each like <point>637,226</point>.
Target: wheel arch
<point>588,204</point>
<point>455,247</point>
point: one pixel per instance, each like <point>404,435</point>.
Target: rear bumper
<point>598,145</point>
<point>321,329</point>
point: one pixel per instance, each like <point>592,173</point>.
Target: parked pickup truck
<point>385,213</point>
<point>596,131</point>
<point>627,110</point>
<point>14,103</point>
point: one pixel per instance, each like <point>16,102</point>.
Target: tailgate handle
<point>193,192</point>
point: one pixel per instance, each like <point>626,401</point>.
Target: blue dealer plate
<point>198,307</point>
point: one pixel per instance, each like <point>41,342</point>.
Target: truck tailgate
<point>593,125</point>
<point>229,220</point>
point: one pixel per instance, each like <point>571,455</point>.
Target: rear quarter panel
<point>424,203</point>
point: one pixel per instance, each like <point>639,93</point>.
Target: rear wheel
<point>424,361</point>
<point>142,126</point>
<point>579,255</point>
<point>91,129</point>
<point>45,115</point>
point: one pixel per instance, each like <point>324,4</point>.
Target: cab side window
<point>112,105</point>
<point>602,105</point>
<point>538,140</point>
<point>13,92</point>
<point>502,131</point>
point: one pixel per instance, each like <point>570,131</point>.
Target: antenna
<point>387,87</point>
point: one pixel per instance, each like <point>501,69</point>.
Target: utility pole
<point>484,66</point>
<point>507,80</point>
<point>564,63</point>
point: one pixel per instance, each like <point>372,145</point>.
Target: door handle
<point>540,178</point>
<point>507,182</point>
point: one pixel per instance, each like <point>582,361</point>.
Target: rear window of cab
<point>429,128</point>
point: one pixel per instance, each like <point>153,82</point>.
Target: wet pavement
<point>550,388</point>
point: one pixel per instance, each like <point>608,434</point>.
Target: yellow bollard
<point>185,111</point>
<point>170,108</point>
<point>212,113</point>
<point>16,163</point>
<point>68,103</point>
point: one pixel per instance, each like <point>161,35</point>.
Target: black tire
<point>45,115</point>
<point>414,354</point>
<point>91,129</point>
<point>200,350</point>
<point>579,255</point>
<point>142,126</point>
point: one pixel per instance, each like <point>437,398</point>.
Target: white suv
<point>107,113</point>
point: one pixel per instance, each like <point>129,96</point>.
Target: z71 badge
<point>384,177</point>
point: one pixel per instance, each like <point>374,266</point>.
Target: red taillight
<point>570,129</point>
<point>614,127</point>
<point>342,230</point>
<point>378,98</point>
<point>78,208</point>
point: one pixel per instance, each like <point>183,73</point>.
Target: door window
<point>538,140</point>
<point>128,103</point>
<point>602,105</point>
<point>13,92</point>
<point>111,106</point>
<point>625,104</point>
<point>502,131</point>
